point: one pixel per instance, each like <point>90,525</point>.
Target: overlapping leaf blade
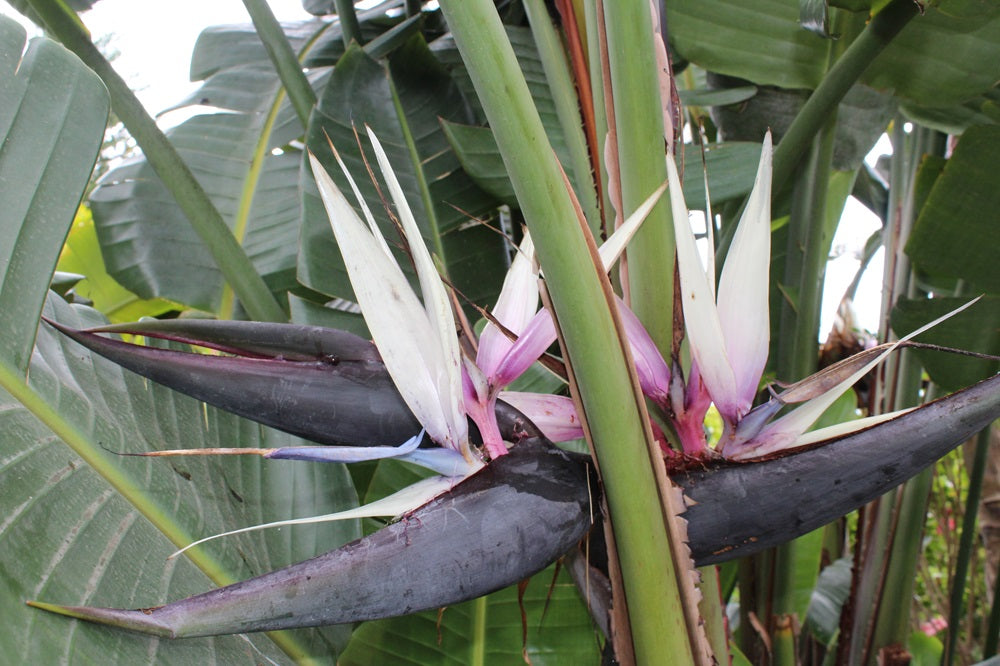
<point>239,156</point>
<point>764,43</point>
<point>401,101</point>
<point>486,631</point>
<point>70,533</point>
<point>52,116</point>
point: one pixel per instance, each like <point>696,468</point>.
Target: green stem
<point>638,113</point>
<point>823,102</point>
<point>232,261</point>
<point>286,63</point>
<point>350,29</point>
<point>965,546</point>
<point>805,267</point>
<point>993,625</point>
<point>607,389</point>
<point>560,82</point>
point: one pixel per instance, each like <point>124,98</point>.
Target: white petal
<point>743,286</point>
<point>436,302</point>
<point>395,317</point>
<point>612,248</point>
<point>701,318</point>
<point>787,430</point>
<point>372,225</point>
<point>516,305</point>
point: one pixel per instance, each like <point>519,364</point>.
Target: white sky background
<point>155,40</point>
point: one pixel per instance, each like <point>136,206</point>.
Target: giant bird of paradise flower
<point>766,481</point>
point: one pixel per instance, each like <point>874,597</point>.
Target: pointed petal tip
<point>142,620</point>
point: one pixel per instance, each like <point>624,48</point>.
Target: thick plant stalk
<point>977,472</point>
<point>300,93</point>
<point>608,391</point>
<point>879,32</point>
<point>567,103</point>
<point>638,115</point>
<point>349,26</point>
<point>162,156</point>
<point>805,262</point>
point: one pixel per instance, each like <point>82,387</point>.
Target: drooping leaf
<point>828,598</point>
<point>952,236</point>
<point>52,116</point>
<point>956,56</point>
<point>95,530</point>
<point>239,155</point>
<point>862,118</point>
<point>764,43</point>
<point>82,254</point>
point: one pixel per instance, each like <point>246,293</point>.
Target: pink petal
<point>555,415</point>
<point>515,308</point>
<point>654,375</point>
<point>534,340</point>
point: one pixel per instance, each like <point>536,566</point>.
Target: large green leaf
<point>81,255</point>
<point>84,526</point>
<point>955,234</point>
<point>976,329</point>
<point>955,119</point>
<point>239,155</point>
<point>487,631</point>
<point>731,166</point>
<point>52,116</point>
<point>956,57</point>
<point>530,61</point>
<point>763,42</point>
<point>832,590</point>
<point>402,101</point>
<point>862,117</point>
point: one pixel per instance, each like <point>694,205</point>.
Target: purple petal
<point>654,375</point>
<point>515,308</point>
<point>532,343</point>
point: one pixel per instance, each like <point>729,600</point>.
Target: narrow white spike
<point>612,248</point>
<point>395,317</point>
<point>436,303</point>
<point>701,317</point>
<point>787,431</point>
<point>743,286</point>
<point>397,504</point>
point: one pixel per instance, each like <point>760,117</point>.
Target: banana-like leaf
<point>52,116</point>
<point>731,166</point>
<point>952,237</point>
<point>764,43</point>
<point>239,155</point>
<point>86,526</point>
<point>81,254</point>
<point>402,101</point>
